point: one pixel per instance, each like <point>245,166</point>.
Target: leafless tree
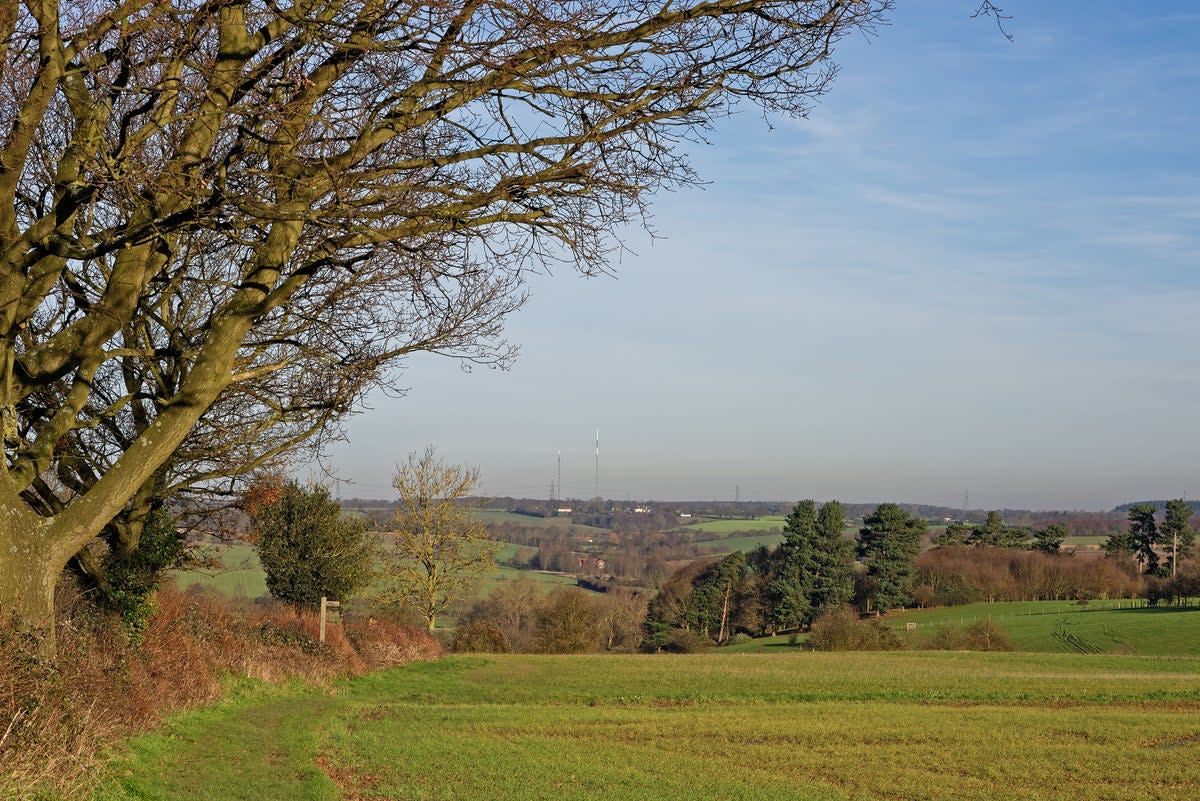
<point>440,551</point>
<point>222,220</point>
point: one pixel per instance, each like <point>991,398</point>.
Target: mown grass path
<point>714,726</point>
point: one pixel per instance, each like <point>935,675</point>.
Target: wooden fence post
<point>326,604</point>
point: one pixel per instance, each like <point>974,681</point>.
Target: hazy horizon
<point>972,267</point>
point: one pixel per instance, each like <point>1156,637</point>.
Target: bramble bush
<point>841,629</point>
<point>58,718</point>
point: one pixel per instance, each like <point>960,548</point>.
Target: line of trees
<point>993,531</point>
<point>948,576</point>
<point>517,617</point>
<point>814,570</point>
<point>434,555</point>
<point>787,587</point>
<point>1145,537</point>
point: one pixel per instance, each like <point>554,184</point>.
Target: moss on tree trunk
<point>28,575</point>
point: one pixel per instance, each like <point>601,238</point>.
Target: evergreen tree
<point>832,561</point>
<point>1050,539</point>
<point>1143,533</point>
<point>993,532</point>
<point>308,550</point>
<point>1177,531</point>
<point>989,532</point>
<point>789,592</point>
<point>954,534</point>
<point>1120,545</point>
<point>889,542</point>
<point>719,590</point>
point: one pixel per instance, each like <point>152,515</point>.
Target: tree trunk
<point>34,549</point>
<point>28,574</point>
<point>724,614</point>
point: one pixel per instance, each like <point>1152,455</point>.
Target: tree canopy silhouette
<point>222,221</point>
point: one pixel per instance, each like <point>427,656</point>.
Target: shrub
<point>56,720</point>
<point>480,636</point>
<point>308,549</point>
<point>841,629</point>
<point>947,638</point>
<point>133,577</point>
<point>683,641</point>
<point>49,741</point>
<point>567,623</point>
<point>984,635</point>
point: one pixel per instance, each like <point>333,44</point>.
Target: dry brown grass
<point>56,718</point>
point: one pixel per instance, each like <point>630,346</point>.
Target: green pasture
<point>511,552</point>
<point>544,581</point>
<point>1108,626</point>
<point>1086,541</point>
<point>720,528</point>
<point>747,543</point>
<point>502,516</point>
<point>735,727</point>
<point>716,533</point>
<point>1117,627</point>
<point>240,575</point>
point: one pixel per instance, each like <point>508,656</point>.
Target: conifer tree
<point>1144,535</point>
<point>889,541</point>
<point>1050,538</point>
<point>832,560</point>
<point>789,592</point>
<point>1177,531</point>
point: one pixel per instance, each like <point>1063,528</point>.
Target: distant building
<point>564,510</point>
<point>590,563</point>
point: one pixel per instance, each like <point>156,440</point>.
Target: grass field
<point>748,543</point>
<point>1160,631</point>
<point>241,577</point>
<point>720,528</point>
<point>544,581</point>
<point>788,725</point>
<point>1086,541</point>
<point>714,534</point>
<point>1100,624</point>
<point>502,516</point>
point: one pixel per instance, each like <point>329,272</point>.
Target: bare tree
<point>440,550</point>
<point>222,220</point>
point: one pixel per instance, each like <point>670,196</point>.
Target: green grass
<point>1165,631</point>
<point>1031,625</point>
<point>545,581</point>
<point>721,528</point>
<point>788,725</point>
<point>1086,541</point>
<point>501,516</point>
<point>239,576</point>
<point>748,543</point>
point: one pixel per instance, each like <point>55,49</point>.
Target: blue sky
<point>973,267</point>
